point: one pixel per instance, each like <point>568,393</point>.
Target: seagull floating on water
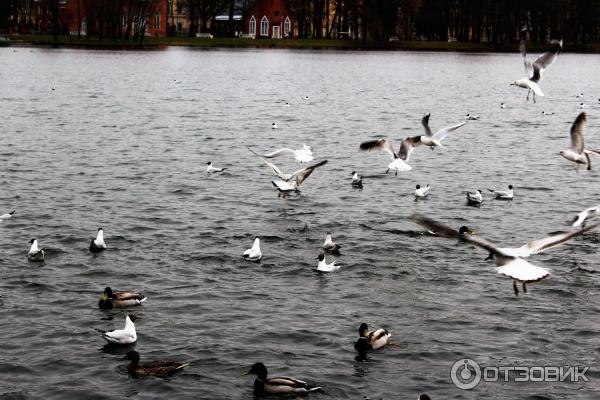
<point>397,164</point>
<point>580,95</point>
<point>503,194</point>
<point>253,253</point>
<point>330,246</point>
<point>356,180</point>
<point>35,254</point>
<point>154,368</point>
<point>422,191</point>
<point>111,299</point>
<point>274,126</point>
<point>124,336</point>
<point>474,198</point>
<point>472,117</point>
<point>277,384</point>
<point>210,169</point>
<point>324,267</point>
<point>97,245</point>
<point>581,105</point>
<point>502,105</point>
<point>538,66</point>
<point>288,183</point>
<point>302,155</point>
<point>547,113</point>
<point>580,219</point>
<point>6,216</point>
<point>578,153</point>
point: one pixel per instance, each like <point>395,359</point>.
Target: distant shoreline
<point>151,43</point>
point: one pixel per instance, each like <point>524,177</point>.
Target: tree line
<point>494,21</point>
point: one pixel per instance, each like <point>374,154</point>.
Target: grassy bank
<point>160,43</point>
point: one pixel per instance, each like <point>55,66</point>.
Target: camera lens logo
<point>465,374</point>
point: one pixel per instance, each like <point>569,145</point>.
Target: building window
<point>252,26</point>
<point>157,21</point>
<point>287,26</point>
<point>264,26</point>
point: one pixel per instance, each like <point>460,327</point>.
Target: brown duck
<point>154,368</point>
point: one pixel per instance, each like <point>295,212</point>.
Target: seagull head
<point>321,257</point>
<point>423,397</point>
<point>510,187</point>
<point>353,172</point>
<point>465,229</point>
<point>133,317</point>
<point>31,241</point>
<point>208,163</point>
<point>418,186</point>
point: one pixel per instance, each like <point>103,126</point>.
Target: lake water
<point>122,144</point>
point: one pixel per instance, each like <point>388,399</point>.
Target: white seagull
<point>253,253</point>
<point>578,153</point>
<point>397,164</point>
<point>324,267</point>
<point>210,169</point>
<point>547,113</point>
<point>502,105</point>
<point>35,254</point>
<point>356,180</point>
<point>472,117</point>
<point>474,198</point>
<point>503,194</point>
<point>432,140</point>
<point>581,105</point>
<point>97,245</point>
<point>6,216</point>
<point>274,126</point>
<point>584,215</point>
<point>538,66</point>
<point>422,191</point>
<point>302,155</point>
<point>127,335</point>
<point>288,183</point>
<point>330,246</point>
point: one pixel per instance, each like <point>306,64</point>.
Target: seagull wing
<point>545,60</point>
<point>279,152</point>
<point>407,146</point>
<point>270,164</point>
<point>540,245</point>
<point>577,129</point>
<point>425,123</point>
<point>442,133</point>
<point>304,173</point>
<point>379,144</point>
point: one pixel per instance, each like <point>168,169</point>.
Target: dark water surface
<point>123,142</point>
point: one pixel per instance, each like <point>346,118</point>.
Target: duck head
<point>132,355</point>
<point>259,370</point>
<point>106,299</point>
<point>363,330</point>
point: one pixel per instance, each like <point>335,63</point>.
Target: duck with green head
<point>277,384</point>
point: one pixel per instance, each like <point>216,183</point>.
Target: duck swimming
<point>154,368</point>
<point>111,299</point>
<point>371,340</point>
<point>277,384</point>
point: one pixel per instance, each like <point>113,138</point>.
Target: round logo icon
<point>465,374</point>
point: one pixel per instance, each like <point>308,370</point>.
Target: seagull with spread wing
<point>302,155</point>
<point>509,261</point>
<point>578,153</point>
<point>288,183</point>
<point>429,139</point>
<point>536,69</point>
<point>398,163</point>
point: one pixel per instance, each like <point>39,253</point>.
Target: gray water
<point>122,144</point>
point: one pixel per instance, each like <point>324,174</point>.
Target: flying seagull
<point>302,155</point>
<point>509,261</point>
<point>578,153</point>
<point>432,140</point>
<point>584,215</point>
<point>397,164</point>
<point>288,183</point>
<point>538,66</point>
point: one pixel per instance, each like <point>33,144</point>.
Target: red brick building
<point>269,19</point>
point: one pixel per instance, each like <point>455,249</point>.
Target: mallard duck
<point>112,299</point>
<point>127,335</point>
<point>277,384</point>
<point>374,339</point>
<point>154,368</point>
<point>35,254</point>
<point>97,245</point>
